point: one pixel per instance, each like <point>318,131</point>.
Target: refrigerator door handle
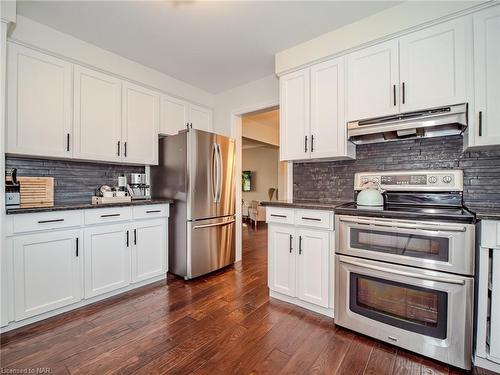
<point>214,173</point>
<point>214,224</point>
<point>220,173</point>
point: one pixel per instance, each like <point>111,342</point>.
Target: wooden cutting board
<point>36,191</point>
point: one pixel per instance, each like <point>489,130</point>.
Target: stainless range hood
<point>434,122</point>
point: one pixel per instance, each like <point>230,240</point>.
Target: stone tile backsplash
<point>334,180</point>
<point>74,181</point>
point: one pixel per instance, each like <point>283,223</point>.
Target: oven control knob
<point>447,179</point>
<point>433,179</point>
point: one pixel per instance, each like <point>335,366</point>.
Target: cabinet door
<point>47,272</point>
<point>107,259</point>
<point>495,307</point>
<point>174,115</point>
<point>200,118</point>
<point>486,130</point>
<point>328,126</point>
<point>313,265</point>
<point>294,115</point>
<point>39,103</point>
<point>141,109</point>
<point>372,81</point>
<point>433,65</point>
<point>282,258</point>
<point>97,115</point>
<point>149,250</point>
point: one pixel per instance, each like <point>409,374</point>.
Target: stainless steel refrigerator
<point>196,169</point>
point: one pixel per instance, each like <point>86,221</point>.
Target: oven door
<point>440,246</point>
<point>424,311</point>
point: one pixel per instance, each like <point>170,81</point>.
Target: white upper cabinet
<point>39,103</point>
<point>200,118</point>
<point>174,115</point>
<point>372,81</point>
<point>328,125</point>
<point>141,112</point>
<point>97,115</point>
<point>294,115</point>
<point>485,126</point>
<point>434,65</point>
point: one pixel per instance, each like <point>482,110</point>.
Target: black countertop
<point>85,205</point>
<point>311,205</point>
<point>485,213</point>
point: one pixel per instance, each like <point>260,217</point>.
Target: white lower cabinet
<point>47,272</point>
<point>107,259</point>
<point>149,256</point>
<point>300,268</point>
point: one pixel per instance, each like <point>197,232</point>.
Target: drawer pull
<point>282,216</point>
<point>110,215</point>
<point>153,211</point>
<point>50,221</point>
<point>310,218</point>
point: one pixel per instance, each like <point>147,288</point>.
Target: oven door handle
<point>405,273</point>
<point>396,224</point>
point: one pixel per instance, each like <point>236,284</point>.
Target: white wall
<point>402,17</point>
<point>263,162</point>
<point>45,38</point>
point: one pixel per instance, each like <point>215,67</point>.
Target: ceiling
<point>247,143</point>
<point>214,45</point>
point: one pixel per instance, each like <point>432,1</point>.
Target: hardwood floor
<point>224,323</point>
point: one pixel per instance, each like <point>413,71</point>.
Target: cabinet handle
<point>300,245</point>
<point>191,125</point>
<point>76,246</point>
<point>50,221</point>
<point>118,145</point>
<point>135,236</point>
<point>305,143</point>
<point>125,149</point>
<point>310,218</point>
<point>276,215</point>
<point>110,215</point>
<point>404,96</point>
<point>312,143</point>
<point>153,211</point>
<point>480,123</point>
<point>67,142</point>
<point>291,239</point>
<point>127,239</point>
<point>394,94</point>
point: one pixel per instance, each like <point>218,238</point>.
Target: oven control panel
<point>429,180</point>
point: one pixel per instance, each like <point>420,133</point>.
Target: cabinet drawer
<point>279,215</point>
<point>45,221</point>
<point>107,215</point>
<point>490,233</point>
<point>150,211</point>
<point>313,218</point>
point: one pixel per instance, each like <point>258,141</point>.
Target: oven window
<point>412,245</point>
<point>408,307</point>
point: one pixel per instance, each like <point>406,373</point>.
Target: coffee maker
<point>138,188</point>
<point>12,189</point>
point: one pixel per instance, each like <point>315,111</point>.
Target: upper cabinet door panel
<point>97,115</point>
<point>434,65</point>
<point>39,103</point>
<point>174,115</point>
<point>294,115</point>
<point>372,81</point>
<point>140,124</point>
<point>200,118</point>
<point>487,77</point>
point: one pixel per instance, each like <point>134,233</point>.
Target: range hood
<point>436,122</point>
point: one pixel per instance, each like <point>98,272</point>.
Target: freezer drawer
<point>211,245</point>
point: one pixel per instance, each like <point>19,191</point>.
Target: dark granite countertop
<point>84,206</point>
<point>485,213</point>
<point>312,205</point>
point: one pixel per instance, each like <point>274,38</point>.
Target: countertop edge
<point>304,205</point>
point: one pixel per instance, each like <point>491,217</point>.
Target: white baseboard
<point>306,305</point>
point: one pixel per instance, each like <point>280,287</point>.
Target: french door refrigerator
<point>196,170</point>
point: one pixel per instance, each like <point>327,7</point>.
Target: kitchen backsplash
<point>334,180</point>
<point>74,181</point>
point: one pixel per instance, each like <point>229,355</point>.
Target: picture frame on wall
<point>246,180</point>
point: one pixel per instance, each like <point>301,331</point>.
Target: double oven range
<point>405,271</point>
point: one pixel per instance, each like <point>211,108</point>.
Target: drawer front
<point>107,215</point>
<point>490,233</point>
<point>314,218</point>
<point>279,215</point>
<point>45,221</point>
<point>150,211</point>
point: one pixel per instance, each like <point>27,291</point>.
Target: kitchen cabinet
<point>47,271</point>
<point>97,115</point>
<point>372,81</point>
<point>39,108</point>
<point>282,259</point>
<point>140,124</point>
<point>149,250</point>
<point>435,65</point>
<point>484,127</point>
<point>107,258</point>
<point>177,114</point>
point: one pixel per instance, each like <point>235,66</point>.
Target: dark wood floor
<point>221,324</point>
